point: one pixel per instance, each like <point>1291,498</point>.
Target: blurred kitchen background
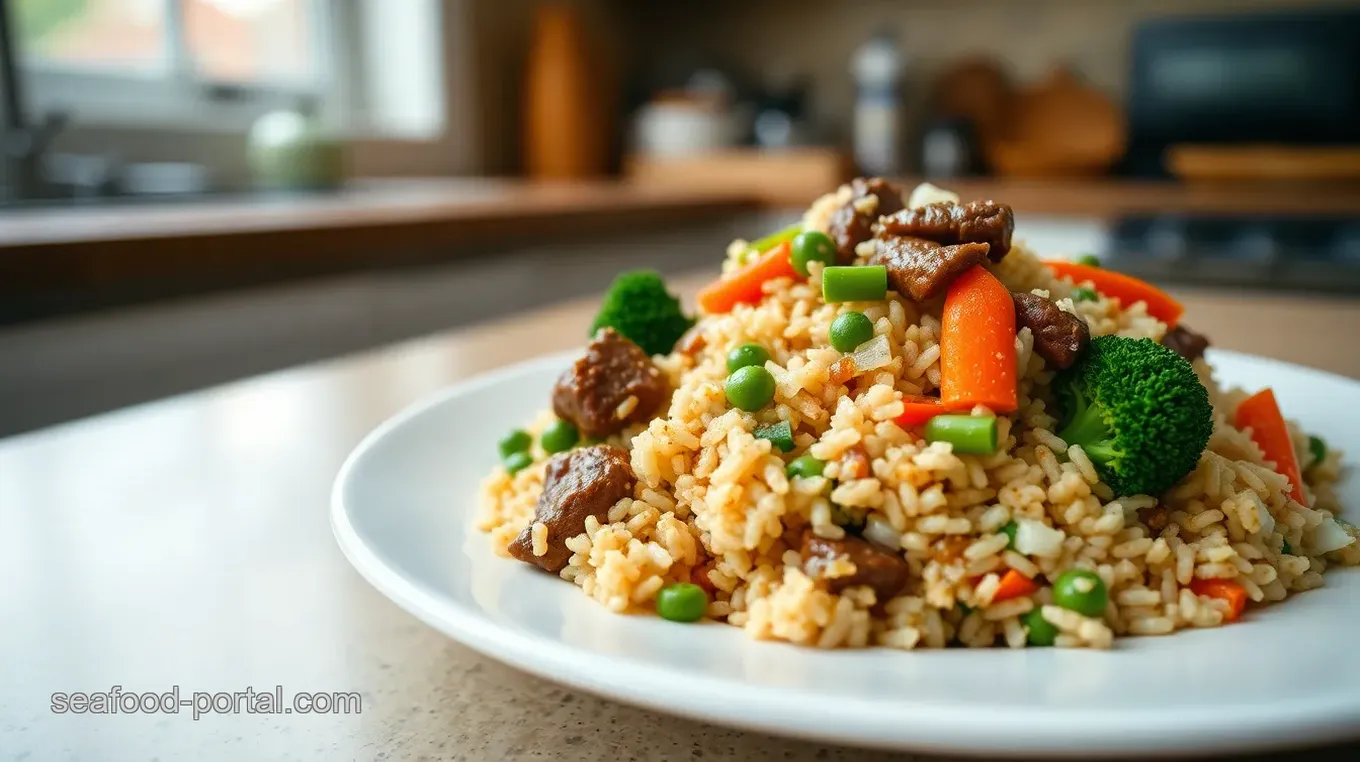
<point>196,190</point>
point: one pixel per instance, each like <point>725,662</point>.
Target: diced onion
<point>872,354</point>
<point>925,193</point>
<point>1267,520</point>
<point>879,531</point>
<point>1033,538</point>
<point>1329,536</point>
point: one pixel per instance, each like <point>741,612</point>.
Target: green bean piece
<point>761,245</point>
<point>855,284</point>
<point>1317,447</point>
<point>1009,531</point>
<point>780,435</point>
<point>969,434</point>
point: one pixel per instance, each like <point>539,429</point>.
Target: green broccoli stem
<point>1089,429</point>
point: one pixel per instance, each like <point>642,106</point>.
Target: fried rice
<point>712,503</point>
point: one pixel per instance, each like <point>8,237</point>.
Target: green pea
<point>559,436</point>
<point>1318,449</point>
<point>516,441</point>
<point>1084,294</point>
<point>1081,591</point>
<point>750,388</point>
<point>743,355</point>
<point>1009,531</point>
<point>812,246</point>
<point>804,466</point>
<point>1090,260</point>
<point>965,608</point>
<point>682,602</point>
<point>518,461</point>
<point>850,330</point>
<point>1286,549</point>
<point>1041,632</point>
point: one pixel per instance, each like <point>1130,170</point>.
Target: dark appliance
<point>1288,77</point>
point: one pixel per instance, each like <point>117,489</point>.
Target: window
<point>122,34</point>
<point>204,63</point>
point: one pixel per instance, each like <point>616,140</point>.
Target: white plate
<point>402,511</point>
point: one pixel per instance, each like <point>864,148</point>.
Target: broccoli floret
<point>638,306</point>
<point>1138,411</point>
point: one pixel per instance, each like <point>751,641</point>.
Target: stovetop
<point>1313,254</point>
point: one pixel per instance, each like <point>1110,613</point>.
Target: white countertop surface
<point>185,543</point>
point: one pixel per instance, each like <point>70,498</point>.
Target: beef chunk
<point>587,481</point>
<point>850,225</point>
<point>1186,342</point>
<point>1059,337</point>
<point>1155,518</point>
<point>923,269</point>
<point>950,223</point>
<point>884,571</point>
<point>594,393</point>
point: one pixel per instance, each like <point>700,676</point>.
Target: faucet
<point>22,146</point>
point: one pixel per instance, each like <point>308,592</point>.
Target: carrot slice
<point>919,410</point>
<point>1014,585</point>
<point>745,285</point>
<point>1261,413</point>
<point>1223,589</point>
<point>977,344</point>
<point>1125,288</point>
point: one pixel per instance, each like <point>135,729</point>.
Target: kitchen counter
<point>100,244</point>
<point>449,211</point>
<point>55,259</point>
<point>185,543</point>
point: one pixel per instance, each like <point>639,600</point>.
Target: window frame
<point>176,96</point>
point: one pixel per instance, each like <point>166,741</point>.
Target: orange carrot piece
<point>745,285</point>
<point>977,344</point>
<point>1014,585</point>
<point>1261,413</point>
<point>918,410</point>
<point>842,370</point>
<point>1125,288</point>
<point>1223,589</point>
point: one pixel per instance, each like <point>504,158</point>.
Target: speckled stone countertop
<point>185,543</point>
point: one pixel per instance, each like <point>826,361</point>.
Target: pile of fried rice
<point>712,502</point>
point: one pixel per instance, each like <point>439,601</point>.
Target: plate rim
<point>912,726</point>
